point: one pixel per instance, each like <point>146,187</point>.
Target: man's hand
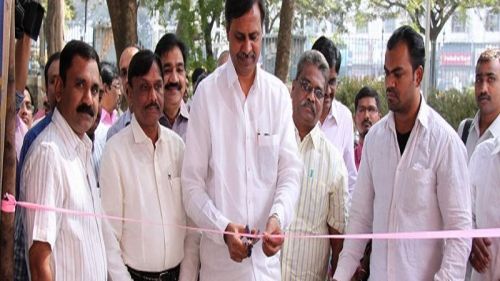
<point>237,250</point>
<point>480,256</point>
<point>271,245</point>
<point>39,261</point>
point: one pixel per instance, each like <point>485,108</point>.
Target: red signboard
<point>456,58</point>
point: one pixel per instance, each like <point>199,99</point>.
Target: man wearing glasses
<point>336,118</point>
<point>323,200</point>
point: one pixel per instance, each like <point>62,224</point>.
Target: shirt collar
<point>184,112</point>
<point>423,115</point>
<point>314,135</point>
<point>496,150</point>
<point>138,132</point>
<point>232,76</point>
<point>494,128</point>
<point>108,116</point>
<point>70,137</point>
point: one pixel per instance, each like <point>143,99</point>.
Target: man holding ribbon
<point>241,166</point>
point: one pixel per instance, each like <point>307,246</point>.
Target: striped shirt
<point>58,173</point>
<point>323,202</point>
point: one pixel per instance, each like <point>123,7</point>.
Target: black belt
<point>166,275</point>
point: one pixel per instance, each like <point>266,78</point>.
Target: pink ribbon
<point>9,204</point>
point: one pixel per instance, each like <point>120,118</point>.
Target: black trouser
<point>166,275</point>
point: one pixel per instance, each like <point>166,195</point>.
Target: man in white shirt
<point>413,177</point>
<point>58,173</point>
<point>486,123</point>
<point>336,118</point>
<point>140,179</point>
<point>485,185</point>
<point>241,166</point>
<point>323,199</point>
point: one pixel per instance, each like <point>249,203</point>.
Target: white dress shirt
<point>58,173</point>
<point>424,189</point>
<point>473,139</point>
<point>339,129</point>
<point>241,165</point>
<point>141,181</point>
<point>323,203</point>
<point>484,168</point>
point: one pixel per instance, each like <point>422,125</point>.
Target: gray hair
<point>489,55</point>
<point>313,57</point>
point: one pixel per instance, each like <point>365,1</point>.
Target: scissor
<point>250,241</point>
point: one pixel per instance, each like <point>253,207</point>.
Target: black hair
<point>329,51</point>
<point>109,72</point>
<point>168,42</point>
<point>199,79</point>
<point>366,92</point>
<point>55,56</point>
<point>72,49</point>
<point>413,41</point>
<point>237,8</point>
<point>141,64</point>
<point>196,73</point>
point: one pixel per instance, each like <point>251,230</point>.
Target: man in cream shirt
<point>324,197</point>
<point>140,179</point>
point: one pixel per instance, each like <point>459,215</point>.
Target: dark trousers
<point>166,275</point>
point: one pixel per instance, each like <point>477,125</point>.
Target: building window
<point>492,23</point>
<point>458,23</point>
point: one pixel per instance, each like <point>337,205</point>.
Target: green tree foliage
<point>317,9</point>
<point>196,20</point>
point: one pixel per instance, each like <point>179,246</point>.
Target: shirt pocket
<point>268,148</point>
<point>176,198</point>
<point>419,191</point>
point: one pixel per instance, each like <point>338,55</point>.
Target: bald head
<point>125,59</point>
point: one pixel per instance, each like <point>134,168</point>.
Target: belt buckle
<point>164,274</point>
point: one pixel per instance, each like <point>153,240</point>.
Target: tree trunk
<point>8,172</point>
<point>433,74</point>
<point>123,14</point>
<point>284,45</point>
<point>54,26</point>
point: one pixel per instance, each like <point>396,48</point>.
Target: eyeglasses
<point>370,110</point>
<point>308,88</point>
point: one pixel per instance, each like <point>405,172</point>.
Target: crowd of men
<point>227,187</point>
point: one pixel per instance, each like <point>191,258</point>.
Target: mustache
<point>243,55</point>
<point>173,86</point>
<point>483,96</point>
<point>152,105</point>
<point>309,104</point>
<point>85,108</point>
<point>367,122</point>
<point>391,90</point>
